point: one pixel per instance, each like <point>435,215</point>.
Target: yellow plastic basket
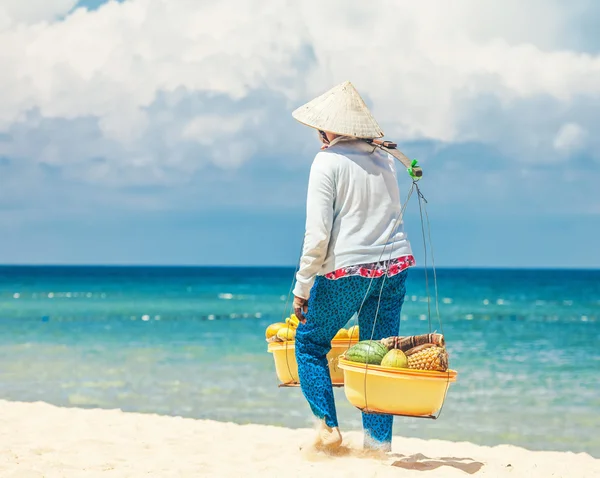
<point>395,391</point>
<point>286,367</point>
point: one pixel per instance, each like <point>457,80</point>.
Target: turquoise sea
<point>189,341</point>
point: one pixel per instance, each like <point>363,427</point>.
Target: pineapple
<point>428,357</point>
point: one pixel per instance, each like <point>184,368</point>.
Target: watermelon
<point>395,358</point>
<point>367,351</point>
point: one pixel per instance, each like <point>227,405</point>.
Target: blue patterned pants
<point>332,303</point>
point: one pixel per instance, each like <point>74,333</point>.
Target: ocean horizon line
<point>284,266</point>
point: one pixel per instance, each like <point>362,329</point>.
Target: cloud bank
<point>164,93</point>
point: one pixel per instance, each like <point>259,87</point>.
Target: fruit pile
<point>286,331</point>
<point>282,331</point>
<point>350,333</point>
<point>427,356</point>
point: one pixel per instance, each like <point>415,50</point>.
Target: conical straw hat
<point>341,110</point>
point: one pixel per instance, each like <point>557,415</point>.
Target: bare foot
<point>372,445</point>
<point>328,438</point>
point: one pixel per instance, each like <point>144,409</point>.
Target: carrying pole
<point>414,170</point>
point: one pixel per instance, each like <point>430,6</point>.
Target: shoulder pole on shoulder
<point>412,167</point>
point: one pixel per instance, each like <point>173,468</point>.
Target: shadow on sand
<point>418,462</point>
<point>421,462</point>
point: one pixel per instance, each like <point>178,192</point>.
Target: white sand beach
<point>41,440</point>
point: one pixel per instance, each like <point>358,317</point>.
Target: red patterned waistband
<point>374,269</point>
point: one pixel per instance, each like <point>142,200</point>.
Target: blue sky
<point>156,132</point>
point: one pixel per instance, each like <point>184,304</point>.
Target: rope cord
<point>400,215</point>
<point>287,361</point>
<point>423,207</point>
<point>420,195</point>
<point>437,308</point>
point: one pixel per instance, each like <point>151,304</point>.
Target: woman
<point>355,254</point>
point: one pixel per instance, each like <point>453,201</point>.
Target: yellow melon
<point>292,321</point>
<point>286,333</point>
<point>341,334</point>
<point>273,329</point>
<point>353,332</point>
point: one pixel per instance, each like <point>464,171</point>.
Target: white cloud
<point>203,128</point>
<point>570,137</point>
<point>14,12</point>
<point>131,67</point>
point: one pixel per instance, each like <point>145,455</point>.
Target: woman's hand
<point>300,308</point>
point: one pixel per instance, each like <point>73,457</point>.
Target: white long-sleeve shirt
<point>352,206</point>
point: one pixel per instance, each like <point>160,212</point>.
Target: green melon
<point>395,358</point>
<point>367,351</point>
